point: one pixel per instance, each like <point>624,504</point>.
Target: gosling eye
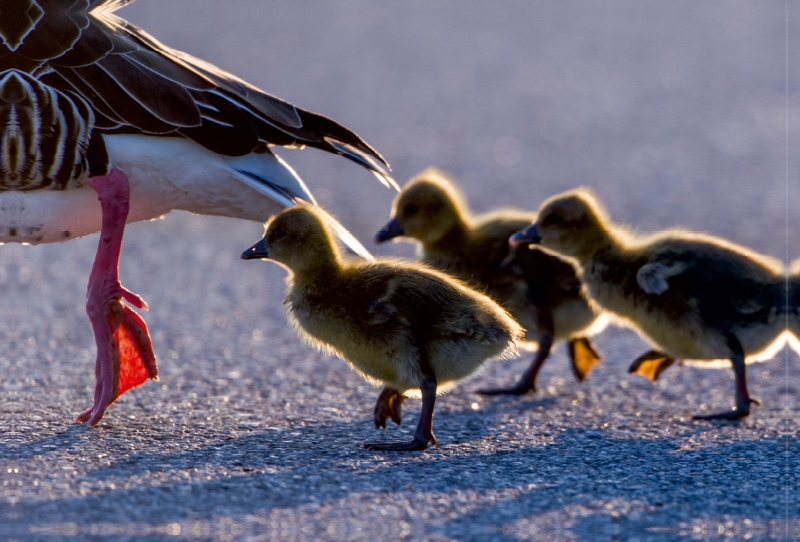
<point>551,220</point>
<point>278,233</point>
<point>411,209</point>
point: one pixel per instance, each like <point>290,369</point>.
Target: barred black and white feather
<point>45,135</point>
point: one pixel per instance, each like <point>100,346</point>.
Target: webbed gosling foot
<point>389,405</point>
<point>521,388</point>
<point>735,414</point>
<point>527,383</point>
<point>416,445</point>
<point>424,433</point>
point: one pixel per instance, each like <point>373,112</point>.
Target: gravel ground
<point>675,113</point>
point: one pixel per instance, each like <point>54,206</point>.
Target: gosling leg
<point>424,433</point>
<point>528,381</point>
<point>743,399</point>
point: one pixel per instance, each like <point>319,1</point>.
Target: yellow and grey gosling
<point>539,288</point>
<point>693,296</point>
<point>397,323</point>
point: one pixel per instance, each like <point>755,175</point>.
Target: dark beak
<point>390,231</point>
<point>528,236</point>
<point>256,252</point>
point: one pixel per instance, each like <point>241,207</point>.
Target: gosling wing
<point>391,298</point>
<point>724,286</point>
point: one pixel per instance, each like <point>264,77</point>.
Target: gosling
<point>400,324</point>
<point>693,296</point>
<point>539,288</point>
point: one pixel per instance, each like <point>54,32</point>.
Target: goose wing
<point>134,84</point>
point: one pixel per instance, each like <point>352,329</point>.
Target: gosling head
<point>299,238</point>
<point>427,208</point>
<point>572,223</point>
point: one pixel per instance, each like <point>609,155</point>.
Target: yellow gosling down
<point>693,296</point>
<point>539,288</point>
<point>399,324</point>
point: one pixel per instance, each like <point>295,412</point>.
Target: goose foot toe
<point>84,416</point>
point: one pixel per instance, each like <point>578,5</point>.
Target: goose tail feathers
<point>268,174</point>
<point>364,159</point>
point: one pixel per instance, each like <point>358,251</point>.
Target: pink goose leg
<point>125,357</point>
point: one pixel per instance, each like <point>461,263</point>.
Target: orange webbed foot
<point>125,357</point>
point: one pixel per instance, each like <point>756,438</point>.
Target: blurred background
<point>675,113</point>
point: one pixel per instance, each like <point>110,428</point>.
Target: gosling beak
<point>256,252</point>
<point>528,236</point>
<point>391,230</point>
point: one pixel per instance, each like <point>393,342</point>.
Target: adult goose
<point>693,296</point>
<point>94,108</point>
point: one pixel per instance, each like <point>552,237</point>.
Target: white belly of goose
<point>164,174</point>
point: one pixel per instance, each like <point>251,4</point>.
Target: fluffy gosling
<point>397,323</point>
<point>539,288</point>
<point>693,296</point>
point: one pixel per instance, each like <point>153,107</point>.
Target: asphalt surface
<point>675,113</point>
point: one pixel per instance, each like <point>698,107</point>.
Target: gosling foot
<point>743,400</point>
<point>583,356</point>
<point>527,384</point>
<point>734,414</point>
<point>521,388</point>
<point>388,406</point>
<point>416,445</point>
<point>389,397</point>
<point>651,364</point>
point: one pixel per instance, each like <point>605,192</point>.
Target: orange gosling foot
<point>388,406</point>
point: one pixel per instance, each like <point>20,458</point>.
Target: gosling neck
<point>451,242</point>
<point>322,265</point>
<point>595,241</point>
